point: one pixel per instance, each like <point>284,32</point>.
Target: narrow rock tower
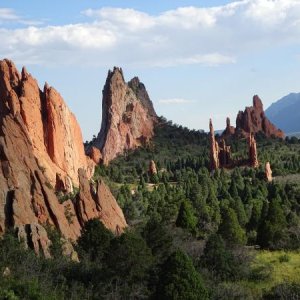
<point>214,148</point>
<point>253,161</point>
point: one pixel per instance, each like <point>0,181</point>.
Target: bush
<point>284,258</point>
<point>94,240</point>
<point>284,291</point>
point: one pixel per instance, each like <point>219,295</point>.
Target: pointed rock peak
<point>211,128</point>
<point>8,63</point>
<point>141,93</point>
<point>131,109</point>
<point>46,87</point>
<point>134,82</point>
<point>9,70</point>
<point>228,122</point>
<point>24,73</point>
<point>116,72</point>
<point>257,103</point>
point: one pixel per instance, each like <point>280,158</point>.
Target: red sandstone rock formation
<point>268,172</point>
<point>152,168</point>
<point>36,235</point>
<point>224,154</point>
<point>128,116</point>
<point>41,148</point>
<point>52,129</point>
<point>220,153</point>
<point>253,120</point>
<point>99,203</point>
<point>253,160</point>
<point>214,148</point>
<point>95,154</point>
<point>230,130</point>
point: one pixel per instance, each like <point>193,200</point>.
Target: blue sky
<point>198,59</point>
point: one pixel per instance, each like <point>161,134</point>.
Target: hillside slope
<point>285,113</point>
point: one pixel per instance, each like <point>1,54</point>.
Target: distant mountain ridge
<point>285,113</point>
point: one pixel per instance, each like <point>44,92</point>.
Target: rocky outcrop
<point>98,202</point>
<point>268,172</point>
<point>220,153</point>
<point>128,116</point>
<point>252,150</point>
<point>253,120</point>
<point>152,168</point>
<point>35,236</point>
<point>52,129</point>
<point>141,93</point>
<point>41,150</point>
<point>230,130</point>
<point>95,155</point>
<point>214,148</point>
<point>224,154</point>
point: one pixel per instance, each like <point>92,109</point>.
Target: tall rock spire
<point>268,172</point>
<point>214,148</point>
<point>253,160</point>
<point>128,116</point>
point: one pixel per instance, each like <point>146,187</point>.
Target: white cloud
<point>8,15</point>
<point>183,36</point>
<point>175,101</point>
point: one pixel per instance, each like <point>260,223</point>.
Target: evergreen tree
<point>186,217</point>
<point>272,231</point>
<point>158,239</point>
<point>94,240</point>
<point>217,259</point>
<point>179,280</point>
<point>230,228</point>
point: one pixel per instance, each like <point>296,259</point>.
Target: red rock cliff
<point>40,143</point>
<point>52,129</point>
<point>128,116</point>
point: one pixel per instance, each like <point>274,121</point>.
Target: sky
<point>198,59</point>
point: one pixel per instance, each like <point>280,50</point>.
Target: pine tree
<point>179,280</point>
<point>271,232</point>
<point>186,217</point>
<point>230,228</point>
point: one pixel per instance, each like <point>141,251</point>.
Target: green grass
<point>271,268</point>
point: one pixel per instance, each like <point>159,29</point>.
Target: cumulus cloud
<point>175,101</point>
<point>187,35</point>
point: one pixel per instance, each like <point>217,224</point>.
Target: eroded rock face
<point>98,202</point>
<point>95,155</point>
<point>253,160</point>
<point>254,120</point>
<point>128,116</point>
<point>52,129</point>
<point>224,154</point>
<point>35,236</point>
<point>40,150</point>
<point>268,172</point>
